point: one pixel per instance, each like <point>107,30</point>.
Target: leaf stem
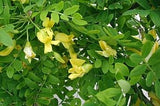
<point>119,100</point>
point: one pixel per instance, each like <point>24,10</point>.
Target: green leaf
<point>110,31</point>
<point>136,58</point>
<point>6,59</point>
<point>34,77</point>
<point>43,14</point>
<point>106,96</point>
<point>46,92</point>
<point>55,17</point>
<point>146,48</point>
<point>58,57</point>
<point>40,3</point>
<point>30,83</point>
<point>5,38</point>
<point>105,66</point>
<point>121,68</point>
<point>155,16</point>
<point>138,70</point>
<point>121,22</point>
<point>79,21</point>
<point>43,101</point>
<point>144,4</point>
<point>27,8</point>
<point>98,63</point>
<point>71,10</point>
<point>59,6</point>
<point>125,86</point>
<point>1,6</point>
<point>46,70</point>
<point>155,58</point>
<point>149,78</point>
<point>116,5</point>
<point>76,101</point>
<point>64,17</point>
<point>157,86</point>
<point>48,63</point>
<point>53,80</point>
<point>20,85</point>
<point>10,72</point>
<point>142,13</point>
<point>17,65</point>
<point>77,16</point>
<point>89,103</point>
<point>135,79</point>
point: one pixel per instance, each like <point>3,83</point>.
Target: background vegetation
<point>60,52</point>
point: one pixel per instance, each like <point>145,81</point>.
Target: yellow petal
<point>45,35</point>
<point>62,37</point>
<point>104,45</point>
<point>107,50</point>
<point>72,52</point>
<point>55,42</point>
<point>155,47</point>
<point>73,76</point>
<point>87,67</point>
<point>8,49</point>
<point>76,69</point>
<point>48,23</point>
<point>77,62</point>
<point>47,47</point>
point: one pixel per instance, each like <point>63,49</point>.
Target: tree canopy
<point>79,52</point>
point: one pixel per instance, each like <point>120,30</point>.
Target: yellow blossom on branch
<point>29,53</point>
<point>67,41</point>
<point>78,68</point>
<point>45,36</point>
<point>48,23</point>
<point>106,50</point>
<point>24,1</point>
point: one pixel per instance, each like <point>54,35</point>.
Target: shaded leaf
<point>10,72</point>
<point>138,70</point>
<point>125,86</point>
<point>71,10</point>
<point>149,78</point>
<point>55,17</point>
<point>5,38</point>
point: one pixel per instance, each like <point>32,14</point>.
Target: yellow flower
<point>107,50</point>
<point>24,1</point>
<point>67,42</point>
<point>29,53</point>
<point>48,23</point>
<point>45,36</point>
<point>78,69</point>
<point>65,39</point>
<point>153,50</point>
<point>8,49</point>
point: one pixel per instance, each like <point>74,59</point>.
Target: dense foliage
<point>79,52</point>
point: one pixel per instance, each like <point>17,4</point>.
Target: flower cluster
<point>45,35</point>
<point>79,68</point>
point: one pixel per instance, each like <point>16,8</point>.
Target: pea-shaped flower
<point>29,53</point>
<point>78,68</point>
<point>45,36</point>
<point>106,50</point>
